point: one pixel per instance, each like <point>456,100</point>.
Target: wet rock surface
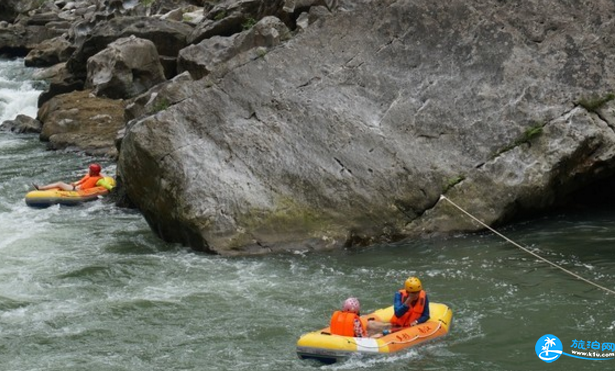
<point>315,124</point>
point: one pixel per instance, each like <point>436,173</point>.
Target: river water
<point>91,288</point>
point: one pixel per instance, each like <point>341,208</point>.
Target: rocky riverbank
<point>254,126</point>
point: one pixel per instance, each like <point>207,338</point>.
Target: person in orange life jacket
<point>411,305</point>
<point>348,322</point>
<point>88,181</point>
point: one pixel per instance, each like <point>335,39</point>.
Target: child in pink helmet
<point>348,322</point>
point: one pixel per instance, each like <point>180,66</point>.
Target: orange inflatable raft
<point>328,348</point>
<point>70,198</point>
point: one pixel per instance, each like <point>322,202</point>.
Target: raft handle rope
<point>398,342</point>
<point>442,197</point>
<point>401,342</point>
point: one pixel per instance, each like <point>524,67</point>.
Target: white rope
<point>442,197</point>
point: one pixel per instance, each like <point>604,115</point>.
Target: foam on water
<point>15,102</point>
<point>17,95</point>
<point>91,287</point>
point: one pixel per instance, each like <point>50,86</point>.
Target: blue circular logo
<point>549,348</point>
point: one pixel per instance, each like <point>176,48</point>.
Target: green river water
<point>91,288</point>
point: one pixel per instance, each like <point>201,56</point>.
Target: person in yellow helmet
<point>411,305</point>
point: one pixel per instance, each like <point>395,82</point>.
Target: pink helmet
<point>351,305</point>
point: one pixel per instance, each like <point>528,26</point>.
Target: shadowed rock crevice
<point>597,195</point>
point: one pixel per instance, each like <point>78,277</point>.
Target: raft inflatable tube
<point>69,198</point>
<point>327,348</point>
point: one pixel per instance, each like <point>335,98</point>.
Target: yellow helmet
<point>413,284</point>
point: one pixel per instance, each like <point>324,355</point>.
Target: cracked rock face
<point>351,131</point>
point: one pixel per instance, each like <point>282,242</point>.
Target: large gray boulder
<point>50,52</point>
<point>126,68</point>
<point>10,9</point>
<point>20,38</point>
<point>350,132</point>
<point>202,58</point>
<point>295,6</point>
<point>22,124</point>
<point>168,36</point>
<point>160,97</point>
<point>80,121</point>
<point>232,16</point>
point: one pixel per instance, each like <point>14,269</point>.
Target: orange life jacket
<point>342,323</point>
<point>88,181</point>
<point>414,312</point>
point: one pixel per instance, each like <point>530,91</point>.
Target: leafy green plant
<point>595,103</point>
<point>261,52</point>
<point>248,23</point>
<point>526,137</point>
<point>530,134</point>
<point>220,15</point>
<point>161,105</point>
<point>453,182</point>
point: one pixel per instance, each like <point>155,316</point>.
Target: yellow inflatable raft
<point>328,348</point>
<point>70,198</point>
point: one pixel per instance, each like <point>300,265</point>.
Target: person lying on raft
<point>410,305</point>
<point>88,181</point>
